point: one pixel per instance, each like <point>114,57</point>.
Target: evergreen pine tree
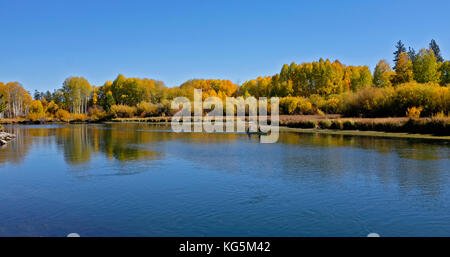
<point>437,52</point>
<point>412,53</point>
<point>400,49</point>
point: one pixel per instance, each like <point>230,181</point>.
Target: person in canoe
<point>254,129</point>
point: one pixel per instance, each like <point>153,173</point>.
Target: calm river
<point>144,180</point>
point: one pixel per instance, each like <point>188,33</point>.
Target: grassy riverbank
<point>400,127</point>
<point>366,133</point>
<point>433,126</point>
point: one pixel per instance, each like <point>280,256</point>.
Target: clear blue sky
<point>43,42</point>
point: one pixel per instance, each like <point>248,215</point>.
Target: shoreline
<point>381,134</point>
<point>283,127</point>
<point>359,133</point>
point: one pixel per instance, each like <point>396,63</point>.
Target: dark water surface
<point>143,180</point>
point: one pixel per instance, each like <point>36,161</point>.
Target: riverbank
<point>398,127</point>
<point>431,126</point>
<point>406,127</point>
<point>366,133</point>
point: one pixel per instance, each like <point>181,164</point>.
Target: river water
<point>144,180</point>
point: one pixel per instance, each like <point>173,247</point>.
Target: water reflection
<point>133,141</point>
<point>411,164</point>
<point>79,142</point>
<point>417,149</point>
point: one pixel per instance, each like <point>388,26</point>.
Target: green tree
<point>280,88</point>
<point>360,78</point>
<point>109,101</point>
<point>382,74</point>
<point>285,88</point>
<point>284,74</point>
<point>425,67</point>
<point>47,96</point>
<point>412,54</point>
<point>445,73</point>
<point>37,95</point>
<point>117,89</point>
<point>58,98</point>
<point>293,71</point>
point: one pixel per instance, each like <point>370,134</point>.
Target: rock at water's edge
<point>5,137</point>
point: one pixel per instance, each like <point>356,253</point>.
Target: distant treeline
<point>417,85</point>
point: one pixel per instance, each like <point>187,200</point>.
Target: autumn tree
<point>36,107</point>
<point>17,98</point>
<point>260,87</point>
<point>131,91</point>
<point>425,67</point>
<point>3,104</point>
<point>94,96</point>
<point>52,107</point>
<point>210,87</point>
<point>403,69</point>
<point>320,77</point>
<point>326,78</point>
<point>77,92</point>
<point>152,90</point>
<point>36,111</point>
<point>382,74</point>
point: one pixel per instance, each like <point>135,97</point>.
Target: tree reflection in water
<point>133,141</point>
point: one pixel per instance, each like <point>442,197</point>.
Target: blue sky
<point>43,42</point>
